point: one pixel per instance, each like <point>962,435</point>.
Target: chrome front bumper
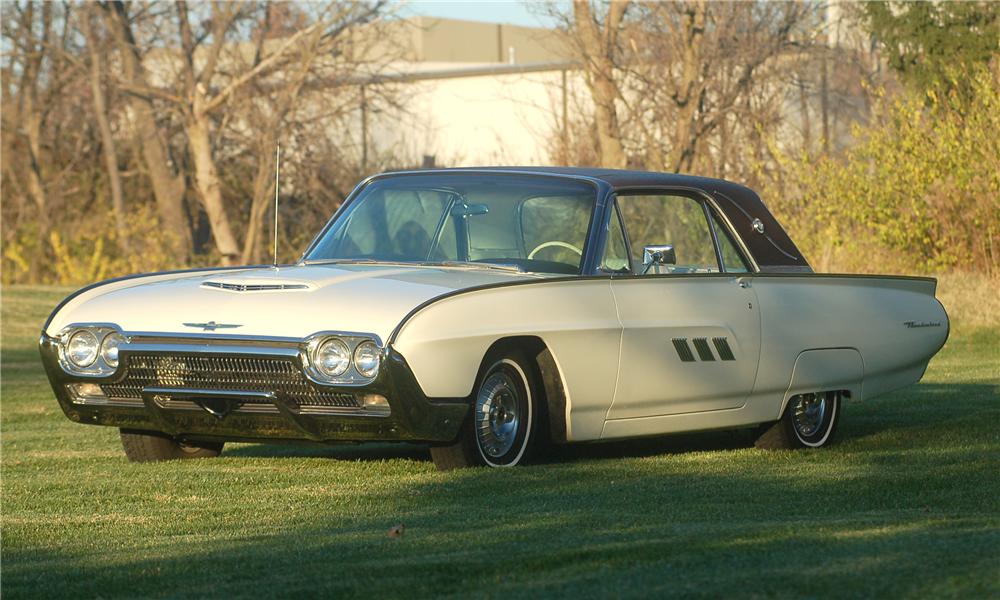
<point>214,388</point>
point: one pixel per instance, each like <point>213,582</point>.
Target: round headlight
<point>82,348</point>
<point>367,359</point>
<point>332,358</point>
<point>109,348</point>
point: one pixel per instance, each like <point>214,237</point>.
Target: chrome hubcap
<point>497,415</point>
<point>808,413</point>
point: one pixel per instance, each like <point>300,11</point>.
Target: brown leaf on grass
<point>396,531</point>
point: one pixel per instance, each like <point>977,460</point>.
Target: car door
<point>691,330</point>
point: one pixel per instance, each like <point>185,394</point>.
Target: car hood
<point>294,301</point>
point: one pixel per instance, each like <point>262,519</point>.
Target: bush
<point>920,191</point>
<point>88,252</point>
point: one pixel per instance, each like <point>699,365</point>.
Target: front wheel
<point>149,446</point>
<point>809,422</point>
<point>501,430</point>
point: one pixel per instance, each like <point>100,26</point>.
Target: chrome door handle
<point>743,282</point>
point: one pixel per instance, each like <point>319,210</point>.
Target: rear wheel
<point>501,430</point>
<point>809,422</point>
<point>149,446</point>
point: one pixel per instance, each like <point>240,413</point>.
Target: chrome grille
<point>229,373</point>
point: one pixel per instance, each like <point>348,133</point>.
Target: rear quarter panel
<point>894,323</point>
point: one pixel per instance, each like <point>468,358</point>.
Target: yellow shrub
<point>88,251</point>
<point>920,191</point>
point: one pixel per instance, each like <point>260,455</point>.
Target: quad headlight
<point>82,348</point>
<point>367,358</point>
<point>333,358</point>
<point>109,348</point>
<point>90,349</point>
<point>342,358</point>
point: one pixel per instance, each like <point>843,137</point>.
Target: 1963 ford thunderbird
<point>486,311</point>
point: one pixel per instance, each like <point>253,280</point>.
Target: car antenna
<point>277,181</point>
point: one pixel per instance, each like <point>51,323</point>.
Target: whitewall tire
<point>809,421</point>
<point>501,428</point>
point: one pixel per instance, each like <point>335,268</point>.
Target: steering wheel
<point>559,244</point>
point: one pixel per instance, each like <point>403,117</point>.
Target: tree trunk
<point>263,191</point>
<point>606,115</point>
<point>207,181</point>
<point>168,186</point>
<point>36,187</point>
<point>104,127</point>
<point>691,90</point>
<point>598,49</point>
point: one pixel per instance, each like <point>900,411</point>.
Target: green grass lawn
<point>905,504</point>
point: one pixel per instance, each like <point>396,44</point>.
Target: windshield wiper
<point>457,264</point>
<point>477,265</point>
<point>352,261</point>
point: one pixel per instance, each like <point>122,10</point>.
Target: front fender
<point>446,340</point>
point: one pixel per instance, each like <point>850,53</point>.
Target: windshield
<point>534,223</point>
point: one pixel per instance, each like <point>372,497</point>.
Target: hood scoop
<point>257,287</point>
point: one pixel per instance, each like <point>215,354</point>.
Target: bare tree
<point>40,108</point>
<point>27,115</point>
<point>318,63</point>
<point>210,74</point>
<point>676,85</point>
<point>164,175</point>
<point>96,54</point>
<point>698,64</point>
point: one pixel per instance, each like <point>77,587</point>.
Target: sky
<point>515,12</point>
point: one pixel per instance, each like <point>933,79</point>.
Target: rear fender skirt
<point>824,370</point>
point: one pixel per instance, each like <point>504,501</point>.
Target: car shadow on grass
<point>372,451</point>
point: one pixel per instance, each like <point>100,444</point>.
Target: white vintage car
<point>487,311</point>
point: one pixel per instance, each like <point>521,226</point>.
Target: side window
<point>615,251</point>
<point>732,260</point>
<point>679,221</point>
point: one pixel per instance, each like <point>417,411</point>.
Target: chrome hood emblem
<point>212,326</point>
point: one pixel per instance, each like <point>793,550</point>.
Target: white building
<point>475,93</point>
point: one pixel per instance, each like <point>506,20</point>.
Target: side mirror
<point>658,255</point>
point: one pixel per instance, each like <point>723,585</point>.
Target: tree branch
<point>261,67</point>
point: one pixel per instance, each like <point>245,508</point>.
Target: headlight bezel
<point>352,376</point>
<point>100,366</point>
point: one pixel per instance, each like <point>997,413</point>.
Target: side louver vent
<point>722,347</point>
<point>703,349</point>
<point>683,350</point>
<point>704,352</point>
